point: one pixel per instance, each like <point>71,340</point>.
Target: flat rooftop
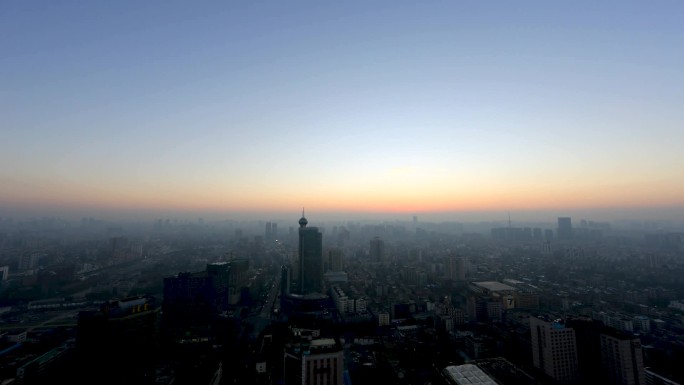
<point>323,342</point>
<point>468,374</point>
<point>494,286</point>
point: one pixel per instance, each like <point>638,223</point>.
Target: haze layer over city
<point>341,192</point>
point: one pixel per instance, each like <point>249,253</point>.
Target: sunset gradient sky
<point>383,106</point>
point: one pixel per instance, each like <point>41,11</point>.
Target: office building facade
<point>554,349</point>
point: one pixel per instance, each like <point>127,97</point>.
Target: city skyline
<point>442,110</point>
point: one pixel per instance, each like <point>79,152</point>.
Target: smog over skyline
<point>341,192</point>
<point>446,110</point>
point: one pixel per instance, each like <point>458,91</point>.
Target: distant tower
<point>310,258</point>
<point>377,250</point>
<point>334,259</point>
<point>268,235</point>
<point>564,228</point>
<point>454,268</point>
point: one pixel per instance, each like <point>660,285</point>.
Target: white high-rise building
<point>554,349</point>
<point>315,362</point>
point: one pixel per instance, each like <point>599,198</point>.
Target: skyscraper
<point>334,262</point>
<point>268,234</point>
<point>238,278</point>
<point>310,258</point>
<point>454,268</point>
<point>219,272</point>
<point>314,362</point>
<point>377,250</point>
<point>622,358</point>
<point>271,233</point>
<point>564,228</point>
<point>554,349</point>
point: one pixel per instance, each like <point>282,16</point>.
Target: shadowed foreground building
<point>622,358</point>
<point>118,343</point>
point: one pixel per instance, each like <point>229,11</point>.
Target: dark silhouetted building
<point>622,358</point>
<point>310,263</point>
<point>238,280</point>
<point>189,303</point>
<point>118,343</point>
<point>219,273</point>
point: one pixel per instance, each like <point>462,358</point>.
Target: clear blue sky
<point>379,106</point>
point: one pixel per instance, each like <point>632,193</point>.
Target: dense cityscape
<point>408,302</point>
<point>341,192</point>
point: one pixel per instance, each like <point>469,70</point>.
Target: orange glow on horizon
<point>337,197</point>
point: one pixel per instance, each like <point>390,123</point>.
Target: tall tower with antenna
<point>310,263</point>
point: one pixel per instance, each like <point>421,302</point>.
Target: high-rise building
<point>314,362</point>
<point>455,268</point>
<point>554,349</point>
<point>219,273</point>
<point>377,250</point>
<point>622,359</point>
<point>484,309</point>
<point>189,302</point>
<point>564,228</point>
<point>268,234</point>
<point>271,232</point>
<point>383,318</point>
<point>28,261</point>
<point>548,235</point>
<point>310,258</point>
<point>238,279</point>
<point>334,262</point>
<point>284,281</point>
<point>118,343</point>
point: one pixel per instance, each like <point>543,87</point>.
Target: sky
<point>396,107</point>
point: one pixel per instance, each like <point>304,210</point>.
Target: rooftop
<point>323,343</point>
<point>468,374</point>
<point>494,286</point>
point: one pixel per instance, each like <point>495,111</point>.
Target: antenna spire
<point>302,220</point>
